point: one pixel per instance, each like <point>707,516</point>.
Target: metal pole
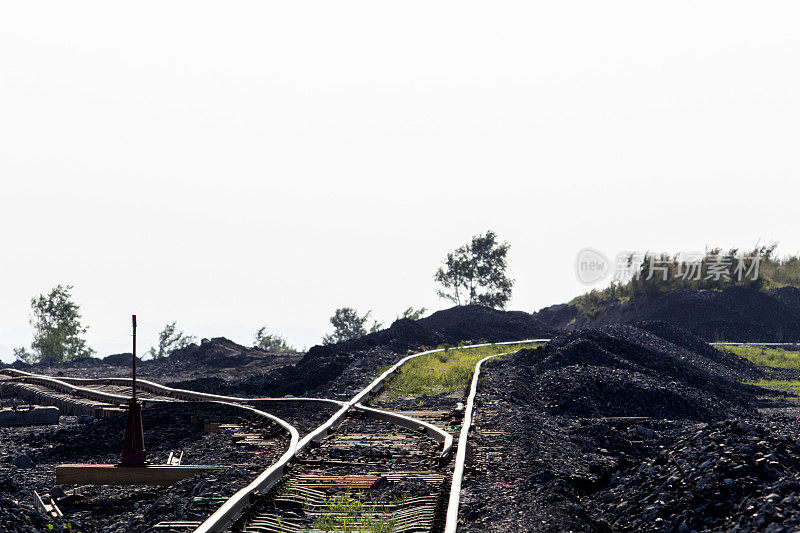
<point>134,356</point>
<point>133,452</point>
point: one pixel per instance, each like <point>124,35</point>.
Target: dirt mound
<point>478,323</point>
<point>734,314</point>
<point>218,351</point>
<point>306,378</point>
<point>629,371</point>
<point>121,359</point>
<point>460,323</point>
<point>402,335</point>
<point>352,364</point>
<point>788,295</point>
<point>48,363</point>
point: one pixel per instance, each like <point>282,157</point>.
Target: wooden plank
<point>46,505</point>
<point>128,475</point>
<point>33,416</point>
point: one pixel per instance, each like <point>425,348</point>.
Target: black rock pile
<point>628,428</point>
<point>218,351</point>
<point>726,476</point>
<point>734,314</point>
<point>655,370</point>
<point>340,369</point>
<point>28,456</point>
<point>462,323</point>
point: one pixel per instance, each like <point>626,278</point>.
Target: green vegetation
<point>271,342</point>
<point>764,356</point>
<point>349,511</point>
<point>781,385</point>
<point>774,357</point>
<point>352,511</point>
<point>347,324</point>
<point>476,273</point>
<point>169,340</point>
<point>57,328</point>
<point>653,274</point>
<point>412,314</point>
<point>444,372</point>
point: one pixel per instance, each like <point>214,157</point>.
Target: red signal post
<point>133,446</point>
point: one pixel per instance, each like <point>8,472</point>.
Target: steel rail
<point>439,435</point>
<point>231,509</point>
<point>109,397</point>
<point>157,388</point>
<point>91,394</point>
<point>235,505</point>
<point>451,522</point>
<point>294,435</point>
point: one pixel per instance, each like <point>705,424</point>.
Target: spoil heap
<point>342,368</point>
<point>734,314</point>
<point>629,371</point>
<point>580,433</point>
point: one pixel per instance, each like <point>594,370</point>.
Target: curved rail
<point>439,435</point>
<point>233,507</point>
<point>225,515</point>
<point>275,471</point>
<point>83,392</point>
<point>461,454</point>
<point>183,394</point>
<point>109,397</point>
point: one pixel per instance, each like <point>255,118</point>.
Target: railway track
<point>370,474</point>
<point>357,472</point>
<point>361,469</point>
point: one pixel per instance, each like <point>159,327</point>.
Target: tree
<point>170,339</point>
<point>347,324</point>
<point>57,328</point>
<point>476,273</point>
<point>412,314</point>
<point>271,342</point>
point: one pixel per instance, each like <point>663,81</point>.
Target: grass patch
<point>444,372</point>
<point>351,511</point>
<point>788,386</point>
<point>764,356</point>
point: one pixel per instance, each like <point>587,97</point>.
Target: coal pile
<point>218,351</point>
<point>735,314</point>
<point>212,363</point>
<point>726,476</point>
<point>80,362</point>
<point>474,323</point>
<point>627,428</point>
<point>121,359</point>
<point>28,456</point>
<point>306,378</point>
<point>478,323</point>
<point>339,370</point>
<point>655,370</point>
<point>788,295</point>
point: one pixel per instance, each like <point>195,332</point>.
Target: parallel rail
<point>162,390</point>
<point>451,523</point>
<point>226,515</point>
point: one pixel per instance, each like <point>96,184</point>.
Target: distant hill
<point>733,314</point>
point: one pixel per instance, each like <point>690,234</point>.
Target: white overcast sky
<point>234,164</point>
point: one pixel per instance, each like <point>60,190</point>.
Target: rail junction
<point>344,470</point>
